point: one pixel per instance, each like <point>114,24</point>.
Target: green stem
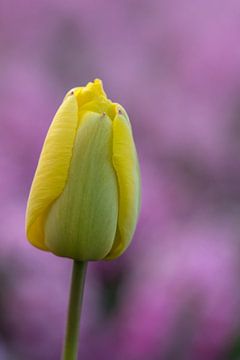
<point>70,349</point>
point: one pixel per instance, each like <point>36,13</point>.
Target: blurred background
<point>175,66</point>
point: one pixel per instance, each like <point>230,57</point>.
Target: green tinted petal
<point>82,222</point>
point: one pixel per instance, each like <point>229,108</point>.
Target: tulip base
<point>70,349</point>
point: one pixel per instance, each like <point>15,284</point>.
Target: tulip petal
<point>126,165</point>
<point>52,170</point>
<point>93,98</point>
<point>87,210</point>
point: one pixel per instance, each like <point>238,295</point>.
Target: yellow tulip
<point>85,196</point>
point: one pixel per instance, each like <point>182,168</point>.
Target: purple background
<point>175,66</point>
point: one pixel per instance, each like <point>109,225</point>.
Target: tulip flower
<point>85,196</point>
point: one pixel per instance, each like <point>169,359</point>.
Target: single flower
<point>85,196</point>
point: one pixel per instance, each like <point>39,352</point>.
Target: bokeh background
<point>175,66</point>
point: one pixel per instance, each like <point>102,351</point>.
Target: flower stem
<point>70,349</point>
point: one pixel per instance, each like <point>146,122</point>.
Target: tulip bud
<point>85,196</point>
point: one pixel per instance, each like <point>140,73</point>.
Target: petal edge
<point>52,169</point>
<point>126,165</point>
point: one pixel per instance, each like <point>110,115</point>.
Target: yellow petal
<point>93,98</point>
<point>52,170</point>
<point>125,163</point>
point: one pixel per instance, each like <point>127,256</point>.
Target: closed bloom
<point>85,196</point>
